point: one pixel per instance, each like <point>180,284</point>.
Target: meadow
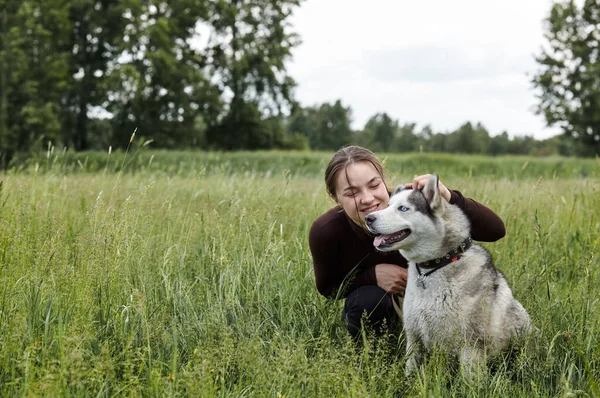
<point>154,273</point>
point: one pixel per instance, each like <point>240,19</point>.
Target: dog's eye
<point>403,208</point>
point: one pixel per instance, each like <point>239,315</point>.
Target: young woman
<point>346,263</point>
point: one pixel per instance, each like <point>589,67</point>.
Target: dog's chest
<point>434,306</point>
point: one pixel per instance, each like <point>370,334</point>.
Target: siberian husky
<point>455,299</point>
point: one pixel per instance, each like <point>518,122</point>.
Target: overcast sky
<point>438,62</point>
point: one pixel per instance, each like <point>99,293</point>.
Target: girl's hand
<point>420,181</point>
<point>391,278</point>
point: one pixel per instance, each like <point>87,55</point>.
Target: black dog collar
<point>437,263</point>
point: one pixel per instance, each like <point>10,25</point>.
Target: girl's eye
<point>403,208</point>
<point>374,186</point>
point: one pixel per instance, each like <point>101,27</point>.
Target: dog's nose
<point>370,219</point>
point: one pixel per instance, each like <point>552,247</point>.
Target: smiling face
<point>360,190</point>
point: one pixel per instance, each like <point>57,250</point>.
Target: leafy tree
<point>96,33</point>
<point>303,122</point>
<point>363,138</point>
<point>565,146</point>
<point>499,144</point>
<point>383,131</point>
<point>333,126</point>
<point>407,139</point>
<point>426,132</point>
<point>33,73</point>
<point>326,127</point>
<point>469,139</point>
<point>157,84</point>
<point>569,77</point>
<point>522,145</point>
<point>438,143</point>
<point>250,43</point>
<point>246,122</point>
<point>7,16</point>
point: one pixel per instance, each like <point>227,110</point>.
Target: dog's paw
<point>411,367</point>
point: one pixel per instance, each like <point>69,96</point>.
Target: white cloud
<point>441,63</point>
<point>436,62</point>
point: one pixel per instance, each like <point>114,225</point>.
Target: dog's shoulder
<point>480,272</point>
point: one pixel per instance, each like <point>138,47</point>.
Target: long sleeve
<point>486,226</point>
<point>330,272</point>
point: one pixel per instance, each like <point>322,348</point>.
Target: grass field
<point>189,274</point>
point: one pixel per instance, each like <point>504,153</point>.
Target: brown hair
<point>344,157</point>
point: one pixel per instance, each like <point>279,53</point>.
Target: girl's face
<point>360,190</point>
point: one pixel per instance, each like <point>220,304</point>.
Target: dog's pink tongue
<point>378,240</point>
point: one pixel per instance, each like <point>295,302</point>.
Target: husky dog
<point>455,299</point>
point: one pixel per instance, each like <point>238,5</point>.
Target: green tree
<point>325,127</point>
<point>303,121</point>
<point>469,139</point>
<point>7,15</point>
<point>250,43</point>
<point>499,144</point>
<point>33,73</point>
<point>157,84</point>
<point>569,77</point>
<point>333,126</point>
<point>437,142</point>
<point>383,130</point>
<point>96,33</point>
<point>363,138</point>
<point>522,145</point>
<point>407,139</point>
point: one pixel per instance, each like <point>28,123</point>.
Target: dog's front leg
<point>414,353</point>
<point>472,362</point>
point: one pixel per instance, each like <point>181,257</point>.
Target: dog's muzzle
<point>383,241</point>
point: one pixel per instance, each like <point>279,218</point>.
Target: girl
<point>346,264</point>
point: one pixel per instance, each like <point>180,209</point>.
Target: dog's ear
<point>399,188</point>
<point>432,192</point>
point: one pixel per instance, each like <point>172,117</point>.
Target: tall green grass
<point>184,279</point>
<point>304,164</point>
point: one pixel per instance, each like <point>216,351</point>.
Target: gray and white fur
<point>466,307</point>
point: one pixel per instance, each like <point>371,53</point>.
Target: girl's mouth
<point>371,209</point>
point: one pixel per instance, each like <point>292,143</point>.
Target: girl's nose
<point>367,197</point>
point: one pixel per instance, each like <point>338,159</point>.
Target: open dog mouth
<point>388,240</point>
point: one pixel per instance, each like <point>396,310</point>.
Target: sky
<point>436,62</point>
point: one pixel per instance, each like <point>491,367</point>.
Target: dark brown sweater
<point>344,256</point>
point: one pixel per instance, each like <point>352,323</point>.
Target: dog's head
<point>409,218</point>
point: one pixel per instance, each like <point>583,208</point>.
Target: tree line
<point>185,73</point>
<point>211,74</point>
<point>328,126</point>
